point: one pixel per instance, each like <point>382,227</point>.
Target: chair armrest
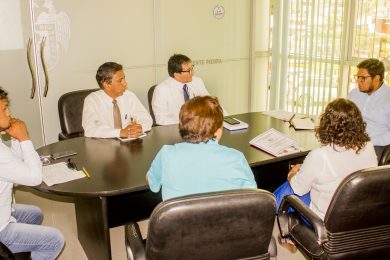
<point>286,221</point>
<point>135,246</point>
<point>385,156</point>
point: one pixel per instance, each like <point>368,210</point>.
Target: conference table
<point>117,191</point>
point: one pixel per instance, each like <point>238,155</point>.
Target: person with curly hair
<point>345,148</point>
<point>199,164</point>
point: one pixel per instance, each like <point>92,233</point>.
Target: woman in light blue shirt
<point>199,164</point>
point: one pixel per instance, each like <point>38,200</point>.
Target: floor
<point>60,213</point>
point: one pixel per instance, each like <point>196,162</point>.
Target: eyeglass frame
<point>363,78</point>
<point>190,70</point>
<point>71,165</point>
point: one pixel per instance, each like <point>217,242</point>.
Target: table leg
<point>92,227</point>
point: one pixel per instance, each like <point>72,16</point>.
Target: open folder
<point>275,143</point>
<point>306,123</point>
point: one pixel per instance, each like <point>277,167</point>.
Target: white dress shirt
<point>19,164</point>
<point>168,98</point>
<point>323,170</point>
<point>98,117</point>
<point>375,110</point>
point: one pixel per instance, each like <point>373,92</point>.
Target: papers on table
<point>131,138</point>
<point>275,143</point>
<point>282,115</point>
<point>60,173</point>
<point>306,123</point>
<point>241,125</point>
<point>298,121</point>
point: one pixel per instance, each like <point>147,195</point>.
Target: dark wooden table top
<point>120,167</point>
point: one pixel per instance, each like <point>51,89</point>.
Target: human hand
<point>134,130</point>
<point>293,171</point>
<point>18,130</point>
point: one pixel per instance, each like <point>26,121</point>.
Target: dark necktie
<point>117,115</point>
<point>185,93</point>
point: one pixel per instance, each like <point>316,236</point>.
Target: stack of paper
<point>275,143</point>
<point>128,139</point>
<point>59,173</point>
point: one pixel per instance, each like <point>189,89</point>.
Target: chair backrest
<point>5,253</point>
<point>70,110</point>
<point>385,157</point>
<point>230,224</point>
<point>150,97</point>
<point>358,218</point>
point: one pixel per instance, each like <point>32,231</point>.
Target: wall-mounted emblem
<point>55,27</point>
<point>219,12</point>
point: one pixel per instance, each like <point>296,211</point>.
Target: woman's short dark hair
<point>374,67</point>
<point>106,71</point>
<point>175,62</point>
<point>342,124</point>
<point>200,117</point>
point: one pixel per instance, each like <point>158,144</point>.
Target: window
<point>316,46</point>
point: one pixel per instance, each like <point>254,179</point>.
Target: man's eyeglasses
<point>360,78</point>
<point>71,165</point>
<point>190,70</point>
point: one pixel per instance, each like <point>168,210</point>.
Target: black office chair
<point>150,97</point>
<point>233,224</point>
<point>356,224</point>
<point>385,157</point>
<point>6,254</point>
<point>70,110</point>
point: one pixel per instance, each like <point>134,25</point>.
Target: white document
<point>241,125</point>
<point>283,115</point>
<point>131,138</point>
<point>275,143</point>
<point>303,123</point>
<point>59,173</point>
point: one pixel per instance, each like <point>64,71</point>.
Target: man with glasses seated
<point>373,99</point>
<point>181,85</point>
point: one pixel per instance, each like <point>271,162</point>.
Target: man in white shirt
<point>114,111</point>
<point>20,228</point>
<point>170,95</point>
<point>372,96</point>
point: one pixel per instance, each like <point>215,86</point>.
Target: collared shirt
<point>98,117</point>
<point>375,110</point>
<point>168,98</point>
<point>19,164</point>
<point>323,170</point>
<point>188,168</point>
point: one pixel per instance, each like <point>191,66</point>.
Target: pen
<point>291,118</point>
<point>86,173</point>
